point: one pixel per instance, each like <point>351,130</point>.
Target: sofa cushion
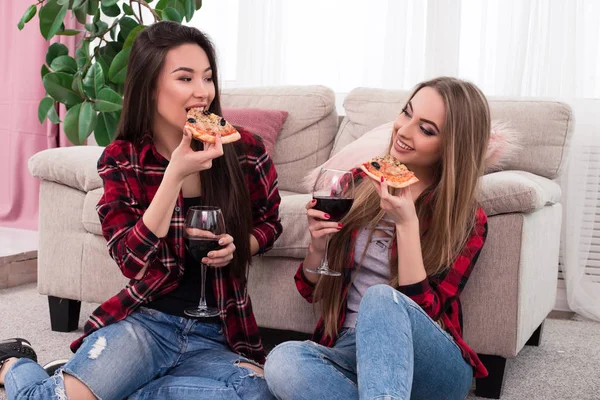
<point>516,192</point>
<point>307,135</point>
<point>262,122</point>
<point>71,166</point>
<point>546,126</point>
<point>89,217</point>
<point>295,237</point>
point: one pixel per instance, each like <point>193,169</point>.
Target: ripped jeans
<point>148,355</point>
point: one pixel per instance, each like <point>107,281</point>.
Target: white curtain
<point>537,48</point>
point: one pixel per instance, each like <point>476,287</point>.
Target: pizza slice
<point>395,173</point>
<point>205,125</point>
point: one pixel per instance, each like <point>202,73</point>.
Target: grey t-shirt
<point>375,268</point>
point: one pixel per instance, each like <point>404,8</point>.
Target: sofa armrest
<point>71,166</point>
<point>516,192</point>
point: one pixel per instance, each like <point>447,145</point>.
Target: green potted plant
<point>90,82</point>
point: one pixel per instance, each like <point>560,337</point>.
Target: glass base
<point>324,271</point>
<point>197,312</point>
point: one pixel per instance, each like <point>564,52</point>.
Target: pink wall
<point>22,54</point>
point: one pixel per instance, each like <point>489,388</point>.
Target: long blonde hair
<point>451,204</point>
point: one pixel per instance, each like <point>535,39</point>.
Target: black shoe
<point>16,347</point>
<point>52,366</point>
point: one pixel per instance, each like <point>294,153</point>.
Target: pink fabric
<point>23,53</point>
<point>263,122</point>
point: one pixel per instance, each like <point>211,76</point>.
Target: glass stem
<point>202,304</point>
<point>325,263</point>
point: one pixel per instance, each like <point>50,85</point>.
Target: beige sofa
<point>509,295</point>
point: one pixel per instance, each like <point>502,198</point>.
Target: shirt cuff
<point>415,289</point>
<point>141,241</point>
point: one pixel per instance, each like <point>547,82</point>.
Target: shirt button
<point>177,209</point>
<point>177,246</point>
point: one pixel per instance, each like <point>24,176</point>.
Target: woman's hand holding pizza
<point>185,161</point>
<point>399,207</point>
<point>319,227</point>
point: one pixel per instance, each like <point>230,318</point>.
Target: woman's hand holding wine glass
<point>333,195</point>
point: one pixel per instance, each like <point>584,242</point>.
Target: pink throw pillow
<point>261,121</point>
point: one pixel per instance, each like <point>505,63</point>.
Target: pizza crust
<point>210,138</point>
<point>389,182</point>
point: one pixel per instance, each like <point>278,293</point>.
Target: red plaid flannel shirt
<point>131,176</point>
<point>437,295</point>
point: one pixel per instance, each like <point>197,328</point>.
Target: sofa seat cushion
<point>71,166</point>
<point>295,238</point>
<point>89,217</point>
<point>516,191</point>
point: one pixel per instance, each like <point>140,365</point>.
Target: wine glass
<point>334,193</point>
<point>204,226</point>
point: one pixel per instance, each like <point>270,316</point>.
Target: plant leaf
<point>198,4</point>
<point>101,26</point>
<point>64,64</point>
<point>56,50</point>
<point>127,9</point>
<point>63,2</point>
<point>126,25</point>
<point>71,124</point>
<point>92,6</point>
<point>69,32</point>
<point>82,54</point>
<point>118,67</point>
<point>59,86</point>
<point>132,35</point>
<point>189,9</point>
<point>45,70</point>
<point>91,28</point>
<point>111,11</point>
<point>77,85</point>
<point>45,104</point>
<point>171,14</point>
<point>108,100</point>
<point>87,120</point>
<point>106,128</point>
<point>80,13</point>
<point>109,3</point>
<point>27,16</point>
<point>52,15</point>
<point>161,5</point>
<point>78,3</point>
<point>53,116</point>
<point>94,80</point>
<point>107,54</point>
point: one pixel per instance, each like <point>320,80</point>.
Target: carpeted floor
<point>565,366</point>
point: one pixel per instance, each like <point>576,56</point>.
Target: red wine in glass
<point>204,226</point>
<point>200,247</point>
<point>336,207</point>
<point>334,193</point>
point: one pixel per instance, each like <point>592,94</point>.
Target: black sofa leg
<point>491,386</point>
<point>64,314</point>
<point>536,337</point>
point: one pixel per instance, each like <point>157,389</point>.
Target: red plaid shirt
<point>437,295</point>
<point>131,176</point>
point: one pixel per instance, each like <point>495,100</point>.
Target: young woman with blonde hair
<point>391,325</point>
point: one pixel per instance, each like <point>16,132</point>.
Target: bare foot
<point>5,367</point>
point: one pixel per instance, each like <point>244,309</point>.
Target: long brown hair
<point>225,178</point>
<point>446,209</point>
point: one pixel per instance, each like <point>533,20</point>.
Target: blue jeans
<point>148,355</point>
<point>396,352</point>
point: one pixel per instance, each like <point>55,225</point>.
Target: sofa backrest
<point>545,127</point>
<point>307,136</point>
